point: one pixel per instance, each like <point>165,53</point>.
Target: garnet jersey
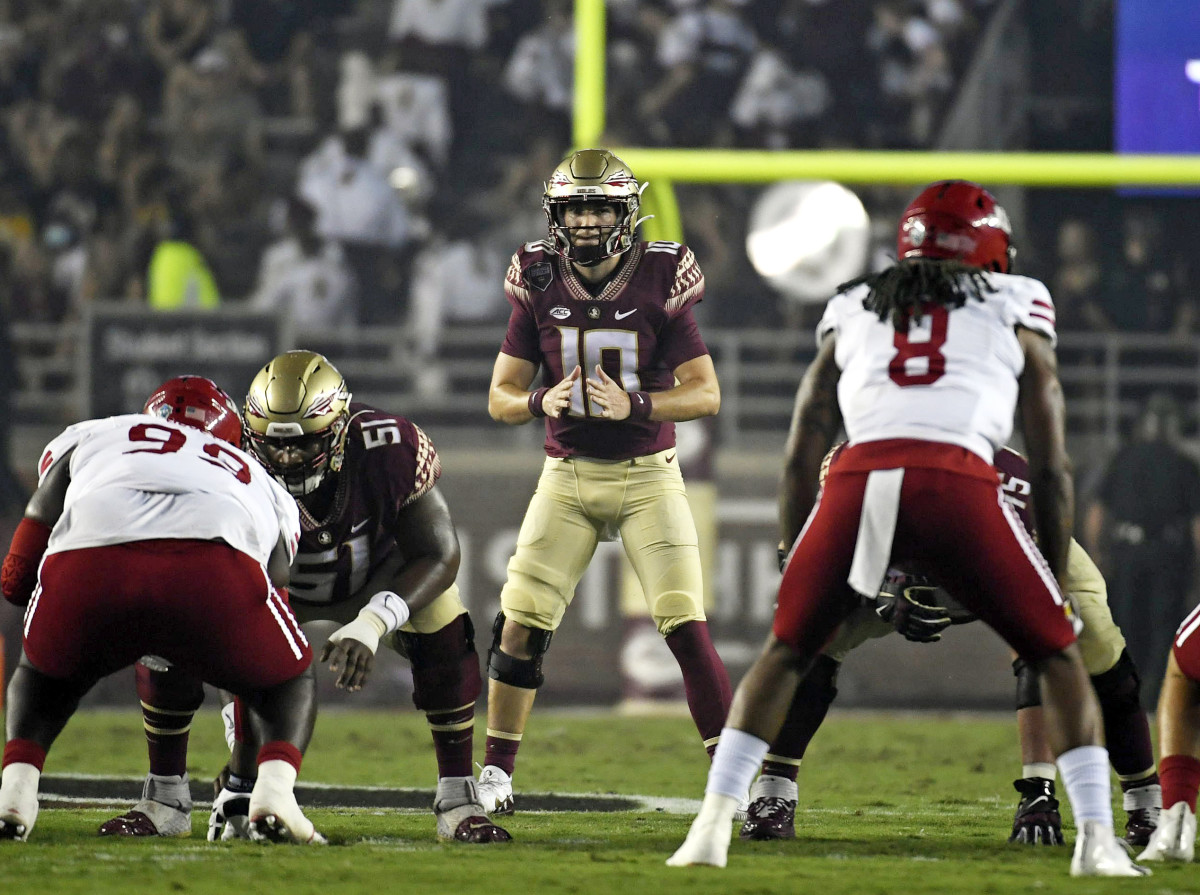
<point>389,464</point>
<point>950,377</point>
<point>639,328</point>
<point>138,477</point>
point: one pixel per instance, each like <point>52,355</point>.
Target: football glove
<point>907,601</point>
<point>1036,821</point>
<point>230,818</point>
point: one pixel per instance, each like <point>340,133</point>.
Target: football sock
<point>705,680</point>
<point>501,750</point>
<point>1085,773</point>
<point>1043,769</point>
<point>169,699</point>
<point>1126,728</point>
<point>453,740</point>
<point>24,752</point>
<point>1180,780</point>
<point>810,705</point>
<point>446,683</point>
<point>738,757</point>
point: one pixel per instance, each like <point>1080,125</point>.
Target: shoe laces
<point>770,807</point>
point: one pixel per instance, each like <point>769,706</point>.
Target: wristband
<point>639,405</point>
<point>389,608</point>
<point>535,401</point>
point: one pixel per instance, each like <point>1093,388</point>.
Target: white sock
<point>19,787</point>
<point>1085,775</point>
<point>1042,769</point>
<point>277,775</point>
<point>737,759</point>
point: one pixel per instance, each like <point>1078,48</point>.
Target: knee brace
<point>1118,688</point>
<point>445,666</point>
<point>523,673</point>
<point>1029,694</point>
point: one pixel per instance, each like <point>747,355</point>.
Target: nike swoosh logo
<point>621,315</point>
<point>671,459</point>
<point>354,529</point>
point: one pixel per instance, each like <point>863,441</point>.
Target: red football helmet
<point>957,219</point>
<point>200,403</point>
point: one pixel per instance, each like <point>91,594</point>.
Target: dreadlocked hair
<point>899,291</point>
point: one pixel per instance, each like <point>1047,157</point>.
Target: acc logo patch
<point>539,275</point>
<point>560,313</point>
<point>593,313</point>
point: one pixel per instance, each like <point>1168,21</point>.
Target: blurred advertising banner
<point>129,351</point>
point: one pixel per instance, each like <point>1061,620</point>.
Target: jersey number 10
<point>586,350</point>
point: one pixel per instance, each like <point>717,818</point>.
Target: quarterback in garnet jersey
<point>608,320</point>
<point>926,363</point>
<point>155,532</point>
<point>920,610</point>
<point>377,553</point>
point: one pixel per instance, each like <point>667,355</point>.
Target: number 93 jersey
<point>390,463</point>
<point>139,477</point>
<point>950,376</point>
<point>639,328</point>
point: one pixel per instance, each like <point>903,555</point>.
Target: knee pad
<point>1029,693</point>
<point>523,673</point>
<point>445,666</point>
<point>1118,688</point>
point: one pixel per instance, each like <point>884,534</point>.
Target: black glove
<point>907,602</point>
<point>1037,821</point>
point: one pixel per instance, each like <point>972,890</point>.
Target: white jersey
<point>139,477</point>
<point>952,378</point>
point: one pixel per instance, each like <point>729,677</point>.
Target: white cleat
<point>707,842</point>
<point>495,790</point>
<point>1175,837</point>
<point>1098,852</point>
<point>18,801</point>
<point>275,816</point>
<point>460,817</point>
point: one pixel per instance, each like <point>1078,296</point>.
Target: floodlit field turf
<point>911,804</point>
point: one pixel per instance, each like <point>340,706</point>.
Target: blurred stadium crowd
<point>378,161</point>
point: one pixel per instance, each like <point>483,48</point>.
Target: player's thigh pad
<point>1101,641</point>
<point>554,546</point>
<point>661,541</point>
<point>862,625</point>
<point>445,608</point>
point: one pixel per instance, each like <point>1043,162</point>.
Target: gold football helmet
<point>297,416</point>
<point>592,175</point>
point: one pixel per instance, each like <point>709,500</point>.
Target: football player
<point>925,364</point>
<point>155,533</point>
<point>378,553</point>
<point>920,611</point>
<point>1179,740</point>
<point>609,321</point>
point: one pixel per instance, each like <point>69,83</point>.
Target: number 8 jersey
<point>950,376</point>
<point>639,327</point>
<point>138,477</point>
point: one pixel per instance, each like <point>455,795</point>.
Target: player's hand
<point>230,818</point>
<point>1037,821</point>
<point>557,399</point>
<point>607,394</point>
<point>907,601</point>
<point>350,660</point>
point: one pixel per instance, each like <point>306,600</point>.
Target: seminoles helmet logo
<point>593,175</point>
<point>957,219</point>
<point>300,401</point>
<point>197,402</point>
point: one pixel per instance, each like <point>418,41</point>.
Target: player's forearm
<point>509,404</point>
<point>686,401</point>
<point>1054,514</point>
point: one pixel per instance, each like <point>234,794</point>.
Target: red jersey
<point>639,329</point>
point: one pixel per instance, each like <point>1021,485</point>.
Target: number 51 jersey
<point>950,376</point>
<point>639,328</point>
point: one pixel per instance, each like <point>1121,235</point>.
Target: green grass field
<point>904,804</point>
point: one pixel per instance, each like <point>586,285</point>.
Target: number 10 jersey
<point>950,376</point>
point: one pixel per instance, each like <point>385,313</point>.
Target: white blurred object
<point>805,238</point>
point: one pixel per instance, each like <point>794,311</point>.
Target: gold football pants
<point>578,502</point>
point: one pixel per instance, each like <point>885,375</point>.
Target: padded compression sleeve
<point>19,574</point>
